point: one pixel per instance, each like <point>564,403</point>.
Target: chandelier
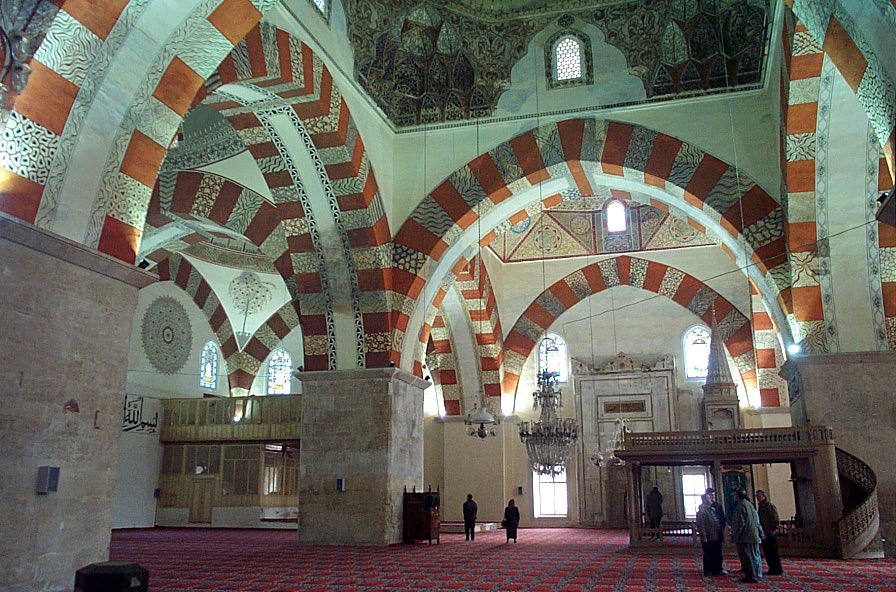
<point>482,414</point>
<point>23,24</point>
<point>549,440</point>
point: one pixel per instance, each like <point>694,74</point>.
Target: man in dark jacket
<point>768,519</point>
<point>717,507</point>
<point>470,509</point>
<point>747,533</point>
<point>654,507</point>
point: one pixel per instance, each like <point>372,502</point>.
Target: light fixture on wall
<point>23,25</point>
<point>549,440</point>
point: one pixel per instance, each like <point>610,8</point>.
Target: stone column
<point>854,394</point>
<point>364,427</point>
<point>65,324</point>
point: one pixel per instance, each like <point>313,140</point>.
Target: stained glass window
<point>616,218</point>
<point>279,373</point>
<point>552,356</point>
<point>696,352</point>
<point>567,59</point>
<point>208,366</point>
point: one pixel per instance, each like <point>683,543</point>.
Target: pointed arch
<point>429,245</point>
<point>680,287</point>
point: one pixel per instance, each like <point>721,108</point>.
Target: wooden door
<point>202,496</point>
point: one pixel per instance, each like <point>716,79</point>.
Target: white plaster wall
<point>144,379</point>
<point>139,462</point>
<point>845,180</point>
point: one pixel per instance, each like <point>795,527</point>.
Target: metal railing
<point>276,417</point>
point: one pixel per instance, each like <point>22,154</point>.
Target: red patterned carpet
<point>561,560</point>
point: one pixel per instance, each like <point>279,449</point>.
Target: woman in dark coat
<point>511,520</point>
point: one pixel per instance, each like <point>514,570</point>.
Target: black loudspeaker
<point>112,576</point>
<point>47,479</point>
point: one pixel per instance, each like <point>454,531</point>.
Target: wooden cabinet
<point>421,516</point>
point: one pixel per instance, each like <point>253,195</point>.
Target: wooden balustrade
<point>271,418</point>
<point>768,438</point>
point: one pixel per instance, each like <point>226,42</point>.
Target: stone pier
<point>363,429</point>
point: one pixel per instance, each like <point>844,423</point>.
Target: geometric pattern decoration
<point>442,364</point>
<point>481,308</point>
<point>843,40</point>
<point>739,206</point>
<point>243,365</point>
<point>801,148</point>
<point>167,335</point>
<point>624,270</point>
<point>439,62</point>
<point>565,231</point>
<point>769,355</point>
<point>289,72</point>
<point>584,560</point>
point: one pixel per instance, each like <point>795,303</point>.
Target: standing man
<point>712,535</point>
<point>747,534</point>
<point>768,519</point>
<point>470,509</point>
<point>654,507</point>
<point>717,507</point>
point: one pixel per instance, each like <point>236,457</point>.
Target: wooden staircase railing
<point>859,525</point>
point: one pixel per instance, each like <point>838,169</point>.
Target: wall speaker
<point>519,490</point>
<point>340,484</point>
<point>47,479</point>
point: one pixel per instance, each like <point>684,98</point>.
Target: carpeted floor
<point>561,560</point>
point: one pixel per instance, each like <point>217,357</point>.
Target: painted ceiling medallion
<point>167,335</point>
<point>249,293</point>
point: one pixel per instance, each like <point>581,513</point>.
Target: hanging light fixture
<point>481,413</point>
<point>23,25</point>
<point>549,440</point>
<point>607,456</point>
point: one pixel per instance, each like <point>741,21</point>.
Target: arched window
<point>208,366</point>
<point>279,373</point>
<point>567,59</point>
<point>552,357</point>
<point>696,352</point>
<point>617,218</point>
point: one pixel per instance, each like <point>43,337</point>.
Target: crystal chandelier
<point>482,414</point>
<point>549,440</point>
<point>23,24</point>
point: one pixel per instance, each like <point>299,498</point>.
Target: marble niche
<point>640,395</point>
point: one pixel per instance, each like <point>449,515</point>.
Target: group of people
<point>510,522</point>
<point>749,526</point>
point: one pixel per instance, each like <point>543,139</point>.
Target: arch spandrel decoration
<point>651,276</point>
<point>741,209</point>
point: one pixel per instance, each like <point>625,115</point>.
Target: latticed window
<point>616,217</point>
<point>279,373</point>
<point>552,357</point>
<point>208,366</point>
<point>321,5</point>
<point>568,59</point>
<point>696,352</point>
